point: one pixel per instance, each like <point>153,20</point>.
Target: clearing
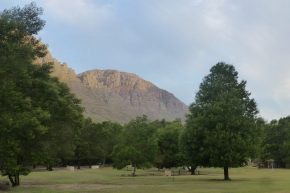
<point>108,180</point>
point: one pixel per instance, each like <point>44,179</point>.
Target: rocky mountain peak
<point>117,96</point>
<point>113,79</point>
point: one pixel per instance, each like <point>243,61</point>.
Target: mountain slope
<point>118,96</point>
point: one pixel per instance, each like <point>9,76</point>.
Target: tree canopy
<point>138,145</point>
<point>276,143</point>
<point>221,122</point>
<point>33,106</point>
<point>168,154</point>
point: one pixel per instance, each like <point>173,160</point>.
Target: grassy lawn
<point>107,180</point>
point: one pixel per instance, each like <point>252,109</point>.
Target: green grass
<point>107,180</point>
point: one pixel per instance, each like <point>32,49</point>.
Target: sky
<point>174,43</point>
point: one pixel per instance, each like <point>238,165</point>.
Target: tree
<point>32,104</point>
<point>276,142</point>
<point>21,123</point>
<point>96,141</point>
<point>222,120</point>
<point>192,147</point>
<point>87,142</point>
<point>110,134</point>
<point>138,145</point>
<point>168,145</point>
<point>261,126</point>
<point>65,121</point>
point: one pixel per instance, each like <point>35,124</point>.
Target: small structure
<point>95,167</point>
<point>270,163</point>
<point>167,173</point>
<point>70,168</point>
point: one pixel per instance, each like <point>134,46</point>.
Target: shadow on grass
<point>227,181</point>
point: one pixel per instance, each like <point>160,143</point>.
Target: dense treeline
<point>275,144</point>
<point>144,144</point>
<point>41,121</point>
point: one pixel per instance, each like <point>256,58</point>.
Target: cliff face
<point>60,70</point>
<point>118,96</point>
<point>127,95</point>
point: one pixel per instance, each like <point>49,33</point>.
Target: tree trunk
<point>90,163</point>
<point>14,179</point>
<point>11,180</point>
<point>49,167</point>
<point>78,164</point>
<point>191,169</point>
<point>17,180</point>
<point>226,173</point>
<point>104,161</point>
<point>134,171</point>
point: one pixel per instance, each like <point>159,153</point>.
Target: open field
<point>107,180</point>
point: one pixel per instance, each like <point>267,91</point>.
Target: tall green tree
<point>138,145</point>
<point>192,147</point>
<point>222,119</point>
<point>21,122</point>
<point>33,106</point>
<point>168,145</point>
<point>109,138</point>
<point>87,143</point>
<point>65,121</point>
<point>96,142</point>
<point>262,127</point>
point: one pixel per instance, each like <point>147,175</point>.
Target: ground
<point>108,180</point>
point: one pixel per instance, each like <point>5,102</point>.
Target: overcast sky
<point>174,43</point>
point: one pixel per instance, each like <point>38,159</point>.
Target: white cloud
<point>241,33</point>
<point>214,15</point>
<point>78,13</point>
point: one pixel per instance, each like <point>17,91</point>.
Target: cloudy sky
<point>173,43</point>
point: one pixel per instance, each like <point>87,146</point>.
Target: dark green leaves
<point>221,125</point>
<point>36,110</point>
<point>138,144</point>
<point>26,18</point>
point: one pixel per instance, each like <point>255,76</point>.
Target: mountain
<point>117,96</point>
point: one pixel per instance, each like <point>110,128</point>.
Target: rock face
<point>118,96</point>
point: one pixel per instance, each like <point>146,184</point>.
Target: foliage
<point>110,134</point>
<point>37,112</point>
<point>21,122</point>
<point>96,141</point>
<point>276,143</point>
<point>222,120</point>
<point>138,145</point>
<point>64,124</point>
<point>192,148</point>
<point>26,19</point>
<point>168,145</point>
